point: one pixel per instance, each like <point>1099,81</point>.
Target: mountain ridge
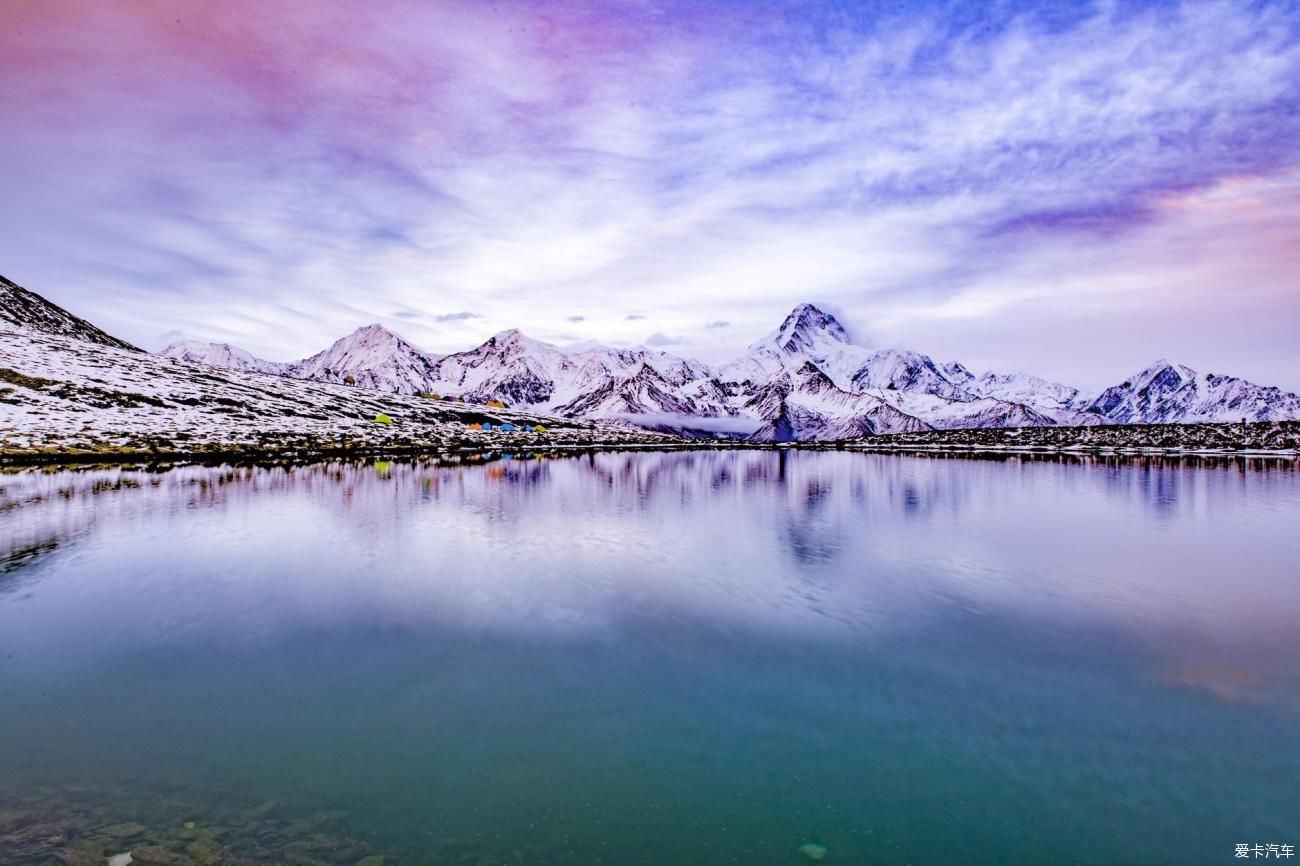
<point>24,310</point>
<point>805,380</point>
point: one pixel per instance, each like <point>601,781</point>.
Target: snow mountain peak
<point>808,328</point>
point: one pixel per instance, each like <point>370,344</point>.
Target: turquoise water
<point>674,658</point>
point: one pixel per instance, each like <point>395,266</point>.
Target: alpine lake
<point>672,659</point>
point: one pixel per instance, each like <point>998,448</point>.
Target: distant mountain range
<point>807,380</point>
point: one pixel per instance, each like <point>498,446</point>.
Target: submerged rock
<point>264,809</point>
<point>76,857</point>
<point>813,851</point>
<point>128,830</point>
<point>205,852</point>
<point>154,855</point>
<point>120,859</point>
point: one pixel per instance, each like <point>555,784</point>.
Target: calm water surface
<point>684,658</point>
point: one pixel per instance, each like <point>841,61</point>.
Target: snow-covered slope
<point>223,355</point>
<point>897,370</point>
<point>61,395</point>
<point>1061,403</point>
<point>370,357</point>
<point>805,404</point>
<point>23,310</point>
<point>1165,393</point>
<point>595,382</point>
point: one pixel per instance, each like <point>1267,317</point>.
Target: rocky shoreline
<point>1273,440</point>
<point>1276,438</point>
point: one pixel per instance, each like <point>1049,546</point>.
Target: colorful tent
<point>474,426</point>
<point>487,425</point>
<point>507,426</point>
<point>496,404</point>
<point>538,428</point>
<point>381,418</point>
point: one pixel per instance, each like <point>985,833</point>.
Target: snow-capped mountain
<point>595,382</point>
<point>223,355</point>
<point>21,310</point>
<point>805,380</point>
<point>1166,392</point>
<point>370,357</point>
<point>807,333</point>
<point>805,404</point>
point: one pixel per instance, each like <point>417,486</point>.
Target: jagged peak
<point>809,319</point>
<point>1160,367</point>
<point>805,328</point>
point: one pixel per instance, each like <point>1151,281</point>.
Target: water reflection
<point>690,657</point>
<point>1157,545</point>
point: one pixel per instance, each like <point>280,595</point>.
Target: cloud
<point>708,162</point>
<point>718,324</point>
<point>576,319</point>
<point>662,339</point>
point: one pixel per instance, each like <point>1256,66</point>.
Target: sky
<point>1067,189</point>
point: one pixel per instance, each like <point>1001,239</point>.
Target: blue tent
<point>487,425</point>
<point>507,426</point>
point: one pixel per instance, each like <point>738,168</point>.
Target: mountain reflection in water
<point>678,657</point>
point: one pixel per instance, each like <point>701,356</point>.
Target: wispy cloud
<point>964,182</point>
